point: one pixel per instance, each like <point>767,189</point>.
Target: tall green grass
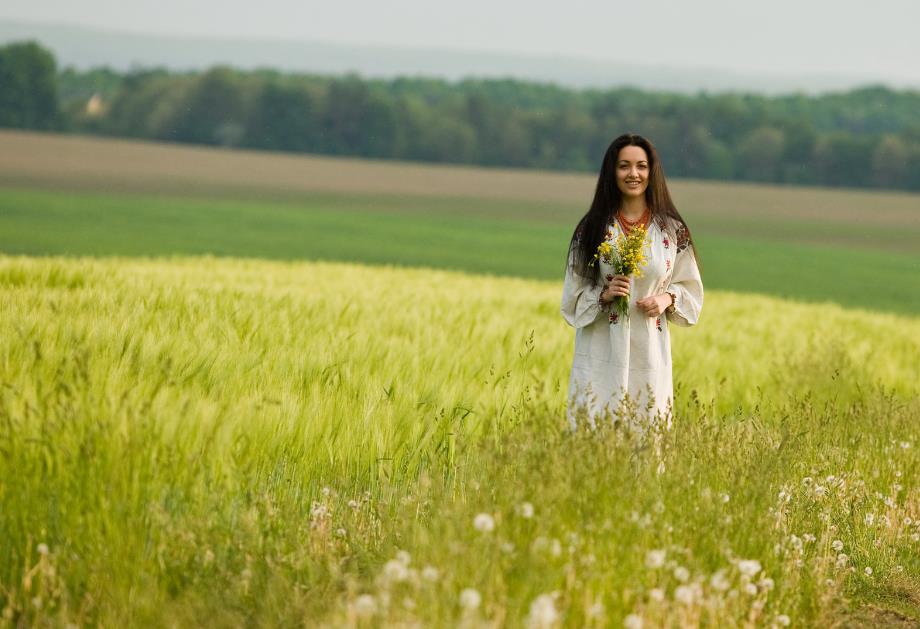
<point>223,442</point>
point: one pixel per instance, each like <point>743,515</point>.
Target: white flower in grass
<point>633,621</point>
<point>430,574</point>
<point>395,571</point>
<point>484,523</point>
<point>868,571</point>
<point>837,545</point>
<point>783,620</point>
<point>842,560</point>
<point>795,541</point>
<point>681,574</point>
<point>725,497</point>
<point>555,548</point>
<point>655,558</point>
<point>870,519</point>
<point>596,610</point>
<point>766,584</point>
<point>543,612</point>
<point>719,581</point>
<point>42,549</point>
<point>685,594</point>
<point>526,510</point>
<point>750,589</point>
<point>807,481</point>
<point>808,538</point>
<point>354,504</point>
<point>470,599</point>
<point>656,594</point>
<point>915,537</point>
<point>749,567</point>
<point>365,606</point>
<point>907,521</point>
<point>403,557</point>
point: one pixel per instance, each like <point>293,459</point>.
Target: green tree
<point>760,153</point>
<point>890,162</point>
<point>28,87</point>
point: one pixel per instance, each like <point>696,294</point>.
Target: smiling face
<point>632,170</point>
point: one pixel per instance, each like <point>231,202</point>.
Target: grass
<point>493,237</point>
<point>224,441</point>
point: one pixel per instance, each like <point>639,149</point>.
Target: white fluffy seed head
<point>484,523</point>
<point>470,599</point>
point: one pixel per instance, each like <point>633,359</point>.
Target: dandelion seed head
<point>783,620</point>
<point>750,589</point>
<point>526,510</point>
<point>685,594</point>
<point>681,574</point>
<point>42,549</point>
<point>365,606</point>
<point>395,571</point>
<point>837,545</point>
<point>543,612</point>
<point>868,571</point>
<point>632,621</point>
<point>470,599</point>
<point>719,581</point>
<point>656,594</point>
<point>484,523</point>
<point>766,584</point>
<point>596,610</point>
<point>655,558</point>
<point>430,574</point>
<point>749,567</point>
<point>842,560</point>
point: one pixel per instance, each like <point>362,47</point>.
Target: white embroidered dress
<point>615,355</point>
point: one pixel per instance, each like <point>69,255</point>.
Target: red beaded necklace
<point>627,225</point>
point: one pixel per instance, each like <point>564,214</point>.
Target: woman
<point>622,365</point>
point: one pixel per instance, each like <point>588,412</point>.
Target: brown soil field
<point>42,160</point>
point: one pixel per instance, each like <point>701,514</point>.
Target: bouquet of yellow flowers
<point>627,257</point>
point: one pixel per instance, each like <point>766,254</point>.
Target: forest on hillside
<point>867,137</point>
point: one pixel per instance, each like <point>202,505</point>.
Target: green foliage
<point>28,87</point>
<point>827,139</point>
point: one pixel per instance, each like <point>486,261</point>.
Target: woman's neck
<point>632,208</point>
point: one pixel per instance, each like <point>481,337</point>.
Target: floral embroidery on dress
<point>658,324</point>
<point>666,242</point>
<point>614,318</point>
<point>667,265</point>
<point>683,237</point>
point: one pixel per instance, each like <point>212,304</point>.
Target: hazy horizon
<point>786,38</point>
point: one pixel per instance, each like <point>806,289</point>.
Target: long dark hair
<point>592,227</point>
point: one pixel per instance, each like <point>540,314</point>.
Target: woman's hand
<point>654,305</point>
<point>616,286</point>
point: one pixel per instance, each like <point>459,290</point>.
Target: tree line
<point>866,137</point>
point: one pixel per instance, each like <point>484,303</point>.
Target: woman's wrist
<point>673,297</point>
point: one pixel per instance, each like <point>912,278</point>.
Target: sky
<point>873,39</point>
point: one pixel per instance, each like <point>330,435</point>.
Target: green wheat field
<point>342,409</point>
